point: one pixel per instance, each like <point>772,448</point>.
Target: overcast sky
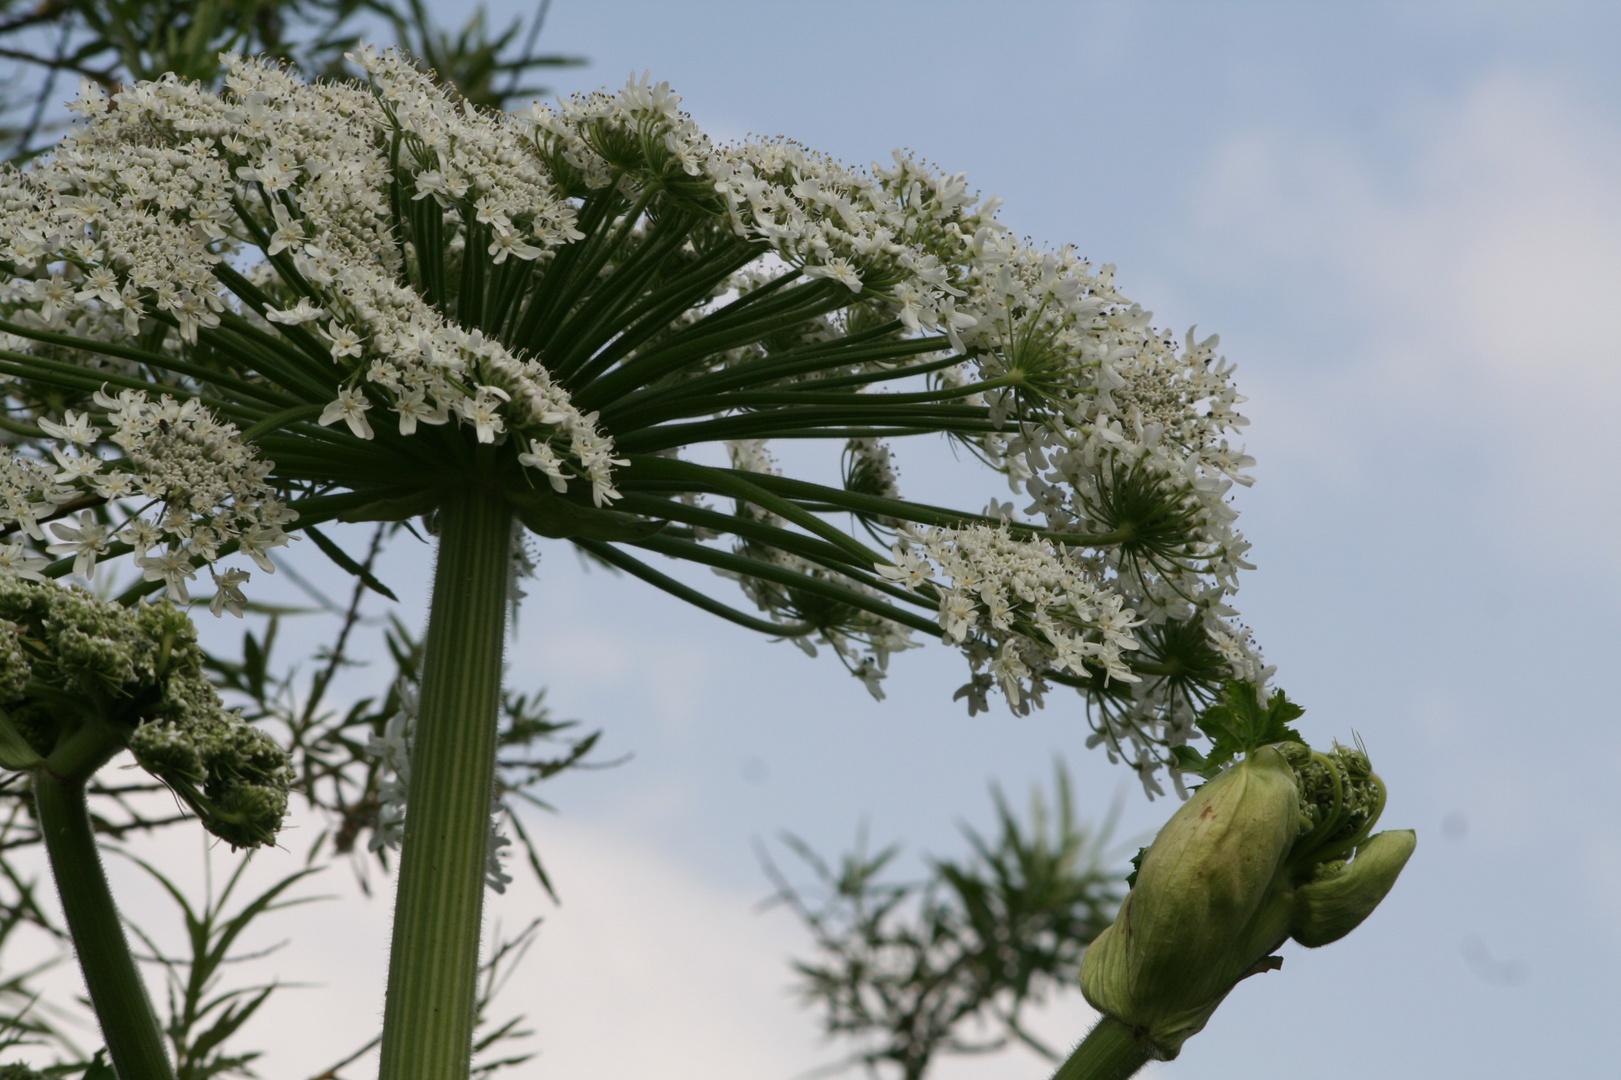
<point>1405,223</point>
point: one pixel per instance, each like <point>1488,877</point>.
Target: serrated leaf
<point>1190,760</point>
<point>1239,724</point>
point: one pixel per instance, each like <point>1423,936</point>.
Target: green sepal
<point>15,753</point>
<point>1331,907</point>
<point>563,519</point>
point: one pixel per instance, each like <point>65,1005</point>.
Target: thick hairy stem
<point>1109,1052</point>
<point>134,1040</point>
<point>433,965</point>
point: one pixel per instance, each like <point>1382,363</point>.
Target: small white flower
<point>483,412</point>
<point>289,231</point>
<point>350,407</point>
<point>909,570</point>
<point>228,595</point>
<point>345,342</point>
<point>84,543</point>
<point>141,535</point>
<point>17,561</point>
<point>300,313</point>
<point>506,242</point>
<point>257,543</point>
<point>414,410</point>
<point>173,568</point>
<point>74,428</point>
<point>839,270</point>
<point>542,457</point>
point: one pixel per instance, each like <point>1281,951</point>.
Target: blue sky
<point>1405,222</point>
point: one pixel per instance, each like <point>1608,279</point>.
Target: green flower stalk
<point>1274,847</point>
<point>80,680</point>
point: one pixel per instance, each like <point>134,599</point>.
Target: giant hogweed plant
<point>231,318</point>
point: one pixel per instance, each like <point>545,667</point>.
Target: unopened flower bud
<point>1255,857</point>
<point>1205,908</point>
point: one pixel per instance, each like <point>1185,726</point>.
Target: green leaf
<point>343,559</point>
<point>563,519</point>
<point>400,508</point>
<point>1238,724</point>
<point>1190,760</point>
<point>15,753</point>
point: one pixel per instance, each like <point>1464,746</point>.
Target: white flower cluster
<point>1018,608</point>
<point>138,208</point>
<point>200,488</point>
<point>1121,436</point>
<point>1116,432</point>
<point>862,640</point>
<point>392,753</point>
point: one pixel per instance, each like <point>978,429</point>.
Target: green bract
<point>1259,855</point>
<point>81,678</point>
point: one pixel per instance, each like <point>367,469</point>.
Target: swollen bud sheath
<point>1336,903</point>
<point>1254,858</point>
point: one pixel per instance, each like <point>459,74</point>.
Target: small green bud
<point>1274,847</point>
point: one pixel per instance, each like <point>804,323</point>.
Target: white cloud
<point>1464,267</point>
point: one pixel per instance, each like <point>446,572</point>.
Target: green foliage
<point>202,1015</point>
<point>54,43</point>
<point>910,970</point>
<point>1237,724</point>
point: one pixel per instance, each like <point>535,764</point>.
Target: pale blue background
<point>1405,222</point>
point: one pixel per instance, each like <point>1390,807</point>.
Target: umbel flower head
<point>82,677</point>
<point>231,315</point>
<point>1279,845</point>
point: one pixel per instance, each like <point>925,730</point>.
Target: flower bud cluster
<point>862,640</point>
<point>67,658</point>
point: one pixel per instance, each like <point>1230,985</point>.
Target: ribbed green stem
<point>1109,1052</point>
<point>117,994</point>
<point>433,965</point>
